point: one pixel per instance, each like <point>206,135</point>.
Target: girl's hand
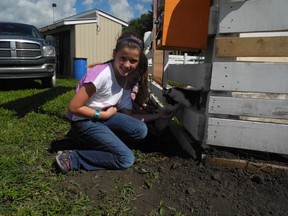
<point>165,114</point>
<point>108,113</point>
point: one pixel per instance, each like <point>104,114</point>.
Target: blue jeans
<point>104,142</point>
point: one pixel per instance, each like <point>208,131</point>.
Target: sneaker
<point>63,161</point>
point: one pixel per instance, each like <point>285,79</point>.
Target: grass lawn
<point>30,119</point>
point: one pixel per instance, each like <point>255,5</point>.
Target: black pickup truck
<point>25,54</point>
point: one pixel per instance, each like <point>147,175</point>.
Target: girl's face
<point>125,61</point>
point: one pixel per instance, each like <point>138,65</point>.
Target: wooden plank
<point>263,59</point>
<point>250,77</point>
<point>267,120</point>
<point>253,16</point>
<point>148,39</point>
<point>213,20</point>
<point>165,68</point>
<point>150,70</point>
<point>149,54</point>
<point>183,139</point>
<point>156,90</point>
<point>193,121</point>
<point>252,47</point>
<point>248,107</point>
<point>252,167</point>
<point>158,66</point>
<point>196,75</point>
<point>257,136</point>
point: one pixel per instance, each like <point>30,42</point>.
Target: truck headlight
<point>49,51</point>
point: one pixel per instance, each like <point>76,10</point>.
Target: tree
<point>140,25</point>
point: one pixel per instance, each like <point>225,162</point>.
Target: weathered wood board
<point>253,16</point>
<point>252,47</point>
<point>257,136</point>
<point>183,139</point>
<point>158,66</point>
<point>156,89</point>
<point>248,107</point>
<point>248,166</point>
<point>193,121</point>
<point>250,77</point>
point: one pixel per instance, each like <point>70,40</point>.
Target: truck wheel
<point>49,82</point>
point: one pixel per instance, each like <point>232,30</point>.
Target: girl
<point>101,113</point>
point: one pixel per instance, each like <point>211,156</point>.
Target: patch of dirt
<point>168,182</point>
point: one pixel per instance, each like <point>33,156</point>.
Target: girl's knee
<point>126,161</point>
<point>142,131</point>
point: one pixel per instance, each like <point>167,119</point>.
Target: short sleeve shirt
<point>108,91</point>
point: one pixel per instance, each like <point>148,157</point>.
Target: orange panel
<point>185,24</point>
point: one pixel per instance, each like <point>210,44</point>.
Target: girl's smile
<point>125,61</point>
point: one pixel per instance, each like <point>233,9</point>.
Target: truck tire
<point>49,82</point>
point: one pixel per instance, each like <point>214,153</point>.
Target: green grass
<point>30,119</point>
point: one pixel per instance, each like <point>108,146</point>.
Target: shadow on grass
<point>19,84</point>
<point>69,142</point>
<point>31,103</point>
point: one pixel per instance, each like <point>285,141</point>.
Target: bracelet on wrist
<point>97,114</point>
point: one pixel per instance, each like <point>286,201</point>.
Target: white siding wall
<point>96,45</point>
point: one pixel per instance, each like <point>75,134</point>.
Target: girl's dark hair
<point>143,93</point>
<point>143,64</point>
<point>131,40</point>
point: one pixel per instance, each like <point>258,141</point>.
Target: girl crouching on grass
<point>101,113</point>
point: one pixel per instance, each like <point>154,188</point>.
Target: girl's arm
<point>149,116</point>
<point>78,103</point>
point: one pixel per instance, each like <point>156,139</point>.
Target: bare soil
<point>169,182</point>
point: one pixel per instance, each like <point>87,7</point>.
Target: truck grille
<point>19,50</point>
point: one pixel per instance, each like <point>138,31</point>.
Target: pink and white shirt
<point>108,91</point>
